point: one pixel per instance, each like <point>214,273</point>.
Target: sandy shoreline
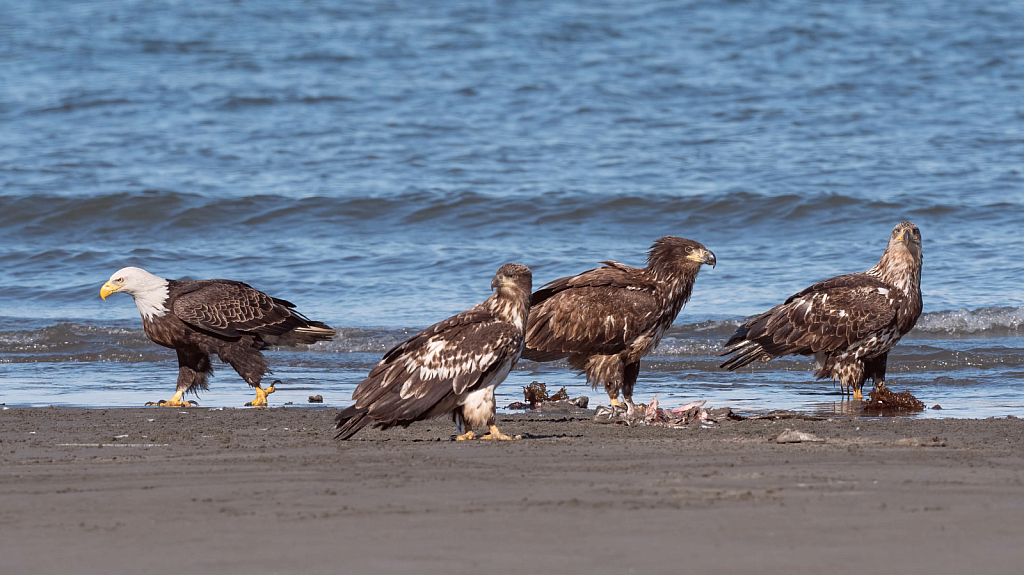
<point>265,491</point>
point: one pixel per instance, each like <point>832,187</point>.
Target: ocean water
<point>376,162</point>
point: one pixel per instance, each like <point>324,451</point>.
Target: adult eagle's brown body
<point>606,319</point>
<point>849,323</point>
<point>222,317</point>
<point>450,367</point>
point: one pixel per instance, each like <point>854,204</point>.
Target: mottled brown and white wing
<point>829,316</point>
<point>423,376</point>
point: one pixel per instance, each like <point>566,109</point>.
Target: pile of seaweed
<point>883,401</point>
<point>536,397</point>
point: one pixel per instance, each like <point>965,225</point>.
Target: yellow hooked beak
<point>107,289</point>
<point>705,257</point>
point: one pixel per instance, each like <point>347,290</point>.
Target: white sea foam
<point>984,322</point>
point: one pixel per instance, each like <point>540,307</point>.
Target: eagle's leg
<point>261,395</point>
<point>875,369</point>
<point>858,375</point>
<point>193,369</point>
<point>469,433</point>
<point>629,375</point>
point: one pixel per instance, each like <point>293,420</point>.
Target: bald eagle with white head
<point>849,323</point>
<point>200,318</point>
<point>451,367</point>
<point>606,319</point>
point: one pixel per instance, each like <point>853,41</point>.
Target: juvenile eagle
<point>450,367</point>
<point>228,318</point>
<point>848,323</point>
<point>605,319</point>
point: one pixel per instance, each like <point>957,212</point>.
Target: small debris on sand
<point>883,401</point>
<point>316,399</point>
<point>794,436</point>
<point>921,442</point>
<point>936,406</point>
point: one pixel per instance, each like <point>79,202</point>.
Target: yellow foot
<point>261,396</point>
<point>175,401</point>
<point>495,434</point>
<point>468,435</point>
<point>857,395</point>
<point>615,402</point>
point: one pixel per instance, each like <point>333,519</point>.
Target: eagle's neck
<point>511,305</point>
<point>150,297</point>
<point>900,269</point>
<point>674,279</point>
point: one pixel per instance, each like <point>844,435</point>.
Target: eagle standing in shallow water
<point>606,319</point>
<point>228,318</point>
<point>450,367</point>
<point>848,323</point>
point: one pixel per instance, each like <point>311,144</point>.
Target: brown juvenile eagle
<point>200,318</point>
<point>450,367</point>
<point>605,319</point>
<point>848,323</point>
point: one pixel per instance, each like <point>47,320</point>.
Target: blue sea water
<point>375,162</point>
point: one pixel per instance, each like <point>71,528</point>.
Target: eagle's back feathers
<point>232,309</point>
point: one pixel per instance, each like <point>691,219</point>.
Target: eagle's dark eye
<point>119,280</point>
<point>689,249</point>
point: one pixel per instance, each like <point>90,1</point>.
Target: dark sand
<point>265,491</point>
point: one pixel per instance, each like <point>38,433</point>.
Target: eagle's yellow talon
<point>173,402</point>
<point>857,394</point>
<point>497,435</point>
<point>261,396</point>
<point>615,402</point>
<point>465,436</point>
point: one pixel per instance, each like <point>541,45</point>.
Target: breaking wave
<point>122,343</point>
<point>984,322</point>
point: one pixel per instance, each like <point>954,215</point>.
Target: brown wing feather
<point>828,316</point>
<point>233,309</point>
<point>599,311</point>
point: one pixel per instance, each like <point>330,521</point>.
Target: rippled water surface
<point>376,162</point>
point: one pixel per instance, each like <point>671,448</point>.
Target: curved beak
<point>709,258</point>
<point>705,257</point>
<point>106,290</point>
<point>495,282</point>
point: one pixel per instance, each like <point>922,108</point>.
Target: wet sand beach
<point>269,491</point>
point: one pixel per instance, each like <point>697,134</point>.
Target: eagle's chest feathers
<point>671,300</point>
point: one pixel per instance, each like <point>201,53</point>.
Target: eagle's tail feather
<point>540,355</point>
<point>314,332</point>
<point>350,420</point>
<point>746,352</point>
